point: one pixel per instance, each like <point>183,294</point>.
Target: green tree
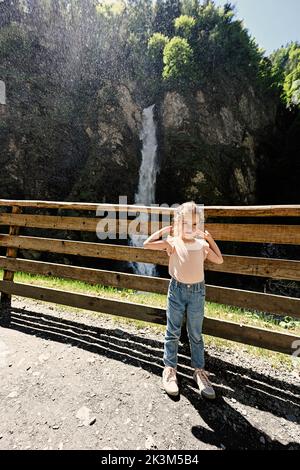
<point>285,72</point>
<point>184,25</point>
<point>177,58</point>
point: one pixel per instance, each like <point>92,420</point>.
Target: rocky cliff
<point>211,145</point>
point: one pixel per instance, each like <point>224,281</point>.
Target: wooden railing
<point>13,214</point>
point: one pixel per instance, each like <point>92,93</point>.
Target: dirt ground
<point>77,381</point>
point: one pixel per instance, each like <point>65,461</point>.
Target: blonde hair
<point>184,212</point>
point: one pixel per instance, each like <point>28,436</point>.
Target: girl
<point>187,246</point>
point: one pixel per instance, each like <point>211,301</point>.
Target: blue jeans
<point>191,297</point>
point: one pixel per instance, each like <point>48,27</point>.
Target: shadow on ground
<point>227,425</point>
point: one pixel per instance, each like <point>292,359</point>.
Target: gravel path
<point>78,381</point>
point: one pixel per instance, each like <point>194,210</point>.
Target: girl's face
<point>189,225</point>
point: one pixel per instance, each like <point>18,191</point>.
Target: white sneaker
<point>201,378</point>
<point>169,381</point>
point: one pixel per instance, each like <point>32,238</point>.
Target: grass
<point>212,310</point>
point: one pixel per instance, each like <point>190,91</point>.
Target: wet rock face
<point>112,126</point>
<point>95,157</point>
<point>209,145</point>
<point>175,111</point>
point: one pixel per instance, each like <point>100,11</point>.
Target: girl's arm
<point>153,243</point>
<point>214,254</point>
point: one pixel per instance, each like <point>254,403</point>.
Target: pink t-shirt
<point>191,269</point>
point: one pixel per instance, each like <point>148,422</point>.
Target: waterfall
<point>145,194</point>
<point>2,93</point>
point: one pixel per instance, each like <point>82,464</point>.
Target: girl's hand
<point>167,229</point>
<point>198,233</point>
<point>207,235</point>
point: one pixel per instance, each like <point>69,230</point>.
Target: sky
<point>273,23</point>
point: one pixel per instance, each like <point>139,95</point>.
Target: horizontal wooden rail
<point>246,265</point>
<point>254,233</point>
<point>91,249</point>
<point>269,303</point>
<point>210,211</point>
<point>89,275</point>
<point>258,337</point>
<point>271,268</point>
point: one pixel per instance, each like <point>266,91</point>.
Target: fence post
<point>5,301</point>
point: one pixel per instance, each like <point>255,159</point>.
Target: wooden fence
<point>13,215</point>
